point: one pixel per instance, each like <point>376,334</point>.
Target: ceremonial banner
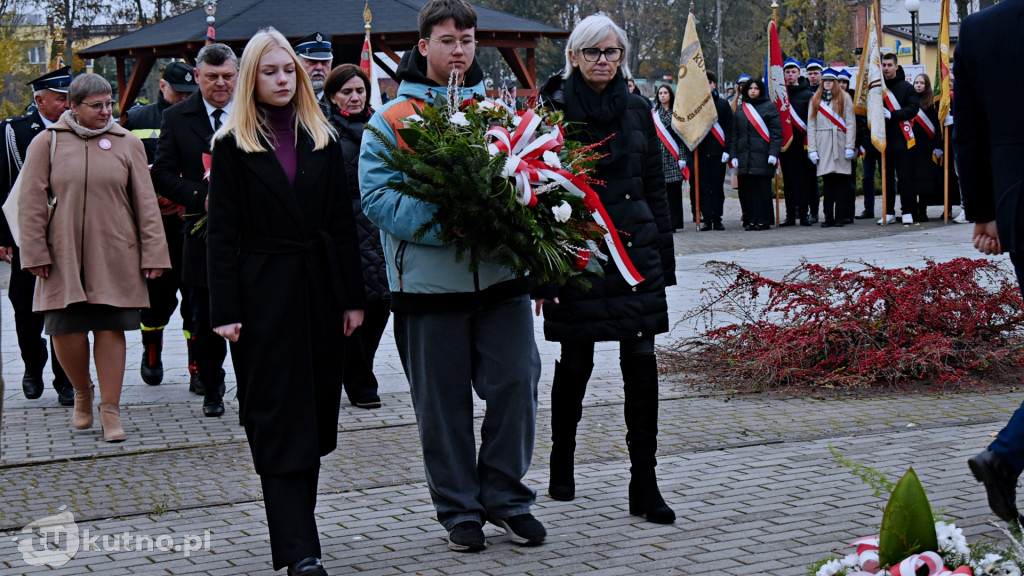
<point>943,87</point>
<point>366,60</point>
<point>869,100</point>
<point>694,112</point>
<point>776,84</point>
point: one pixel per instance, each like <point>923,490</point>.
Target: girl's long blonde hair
<point>246,120</point>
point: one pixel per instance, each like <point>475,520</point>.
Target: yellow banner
<point>943,89</point>
<point>694,112</point>
<point>869,99</point>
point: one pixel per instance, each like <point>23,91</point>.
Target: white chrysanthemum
<point>563,212</point>
<point>951,538</point>
<point>459,119</point>
<point>830,568</point>
<point>1008,569</point>
<point>414,119</point>
<point>986,565</point>
<point>851,561</point>
<point>551,159</point>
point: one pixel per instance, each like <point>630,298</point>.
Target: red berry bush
<point>838,327</point>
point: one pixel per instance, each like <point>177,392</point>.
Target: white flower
<point>951,538</point>
<point>414,119</point>
<point>994,565</point>
<point>551,159</point>
<point>851,561</point>
<point>459,119</point>
<point>563,212</point>
<point>830,568</point>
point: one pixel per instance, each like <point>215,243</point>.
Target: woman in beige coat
<point>832,132</point>
<point>93,256</point>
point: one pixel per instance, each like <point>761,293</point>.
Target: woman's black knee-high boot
<point>567,391</point>
<point>640,375</point>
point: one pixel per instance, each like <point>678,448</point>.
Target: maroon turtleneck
<point>280,121</point>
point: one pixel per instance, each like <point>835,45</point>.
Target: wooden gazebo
<point>394,28</point>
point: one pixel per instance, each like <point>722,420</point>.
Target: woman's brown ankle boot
<point>82,418</point>
<point>110,421</point>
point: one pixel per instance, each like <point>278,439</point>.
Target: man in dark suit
<point>51,99</point>
<point>180,175</point>
<point>988,137</point>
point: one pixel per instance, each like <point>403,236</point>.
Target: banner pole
<point>696,182</point>
<point>945,174</point>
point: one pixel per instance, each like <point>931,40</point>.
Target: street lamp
<point>913,6</point>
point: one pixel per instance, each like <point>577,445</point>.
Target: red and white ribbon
<point>716,129</point>
<point>799,123</point>
<point>905,126</point>
<point>525,164</point>
<point>825,110</point>
<point>867,558</point>
<point>923,120</point>
<point>666,138</point>
<point>757,121</point>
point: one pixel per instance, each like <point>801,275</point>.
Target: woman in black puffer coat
<point>593,94</point>
<point>755,148</point>
<point>348,88</point>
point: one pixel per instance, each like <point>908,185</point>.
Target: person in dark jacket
<point>798,173</point>
<point>348,90</point>
<point>900,109</point>
<point>50,98</point>
<point>714,154</point>
<point>988,136</point>
<point>926,155</point>
<point>592,92</point>
<point>286,283</point>
<point>177,83</point>
<point>180,175</point>
<point>755,147</point>
<point>861,123</point>
<point>925,174</point>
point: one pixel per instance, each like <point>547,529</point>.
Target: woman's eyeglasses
<point>594,54</point>
<point>97,106</point>
<point>450,43</point>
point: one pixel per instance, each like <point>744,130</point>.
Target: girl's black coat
<point>284,262</point>
<point>633,193</point>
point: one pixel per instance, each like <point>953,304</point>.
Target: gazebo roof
<point>238,20</point>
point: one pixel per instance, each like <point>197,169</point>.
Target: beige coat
<point>106,228</point>
<point>829,141</point>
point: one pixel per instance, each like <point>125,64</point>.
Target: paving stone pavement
<point>750,477</point>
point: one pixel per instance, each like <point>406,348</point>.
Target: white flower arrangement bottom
<point>911,542</point>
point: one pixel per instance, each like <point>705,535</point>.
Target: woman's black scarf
<point>598,115</point>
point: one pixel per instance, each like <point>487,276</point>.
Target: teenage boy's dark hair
<point>712,77</point>
<point>437,11</point>
<point>890,56</point>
